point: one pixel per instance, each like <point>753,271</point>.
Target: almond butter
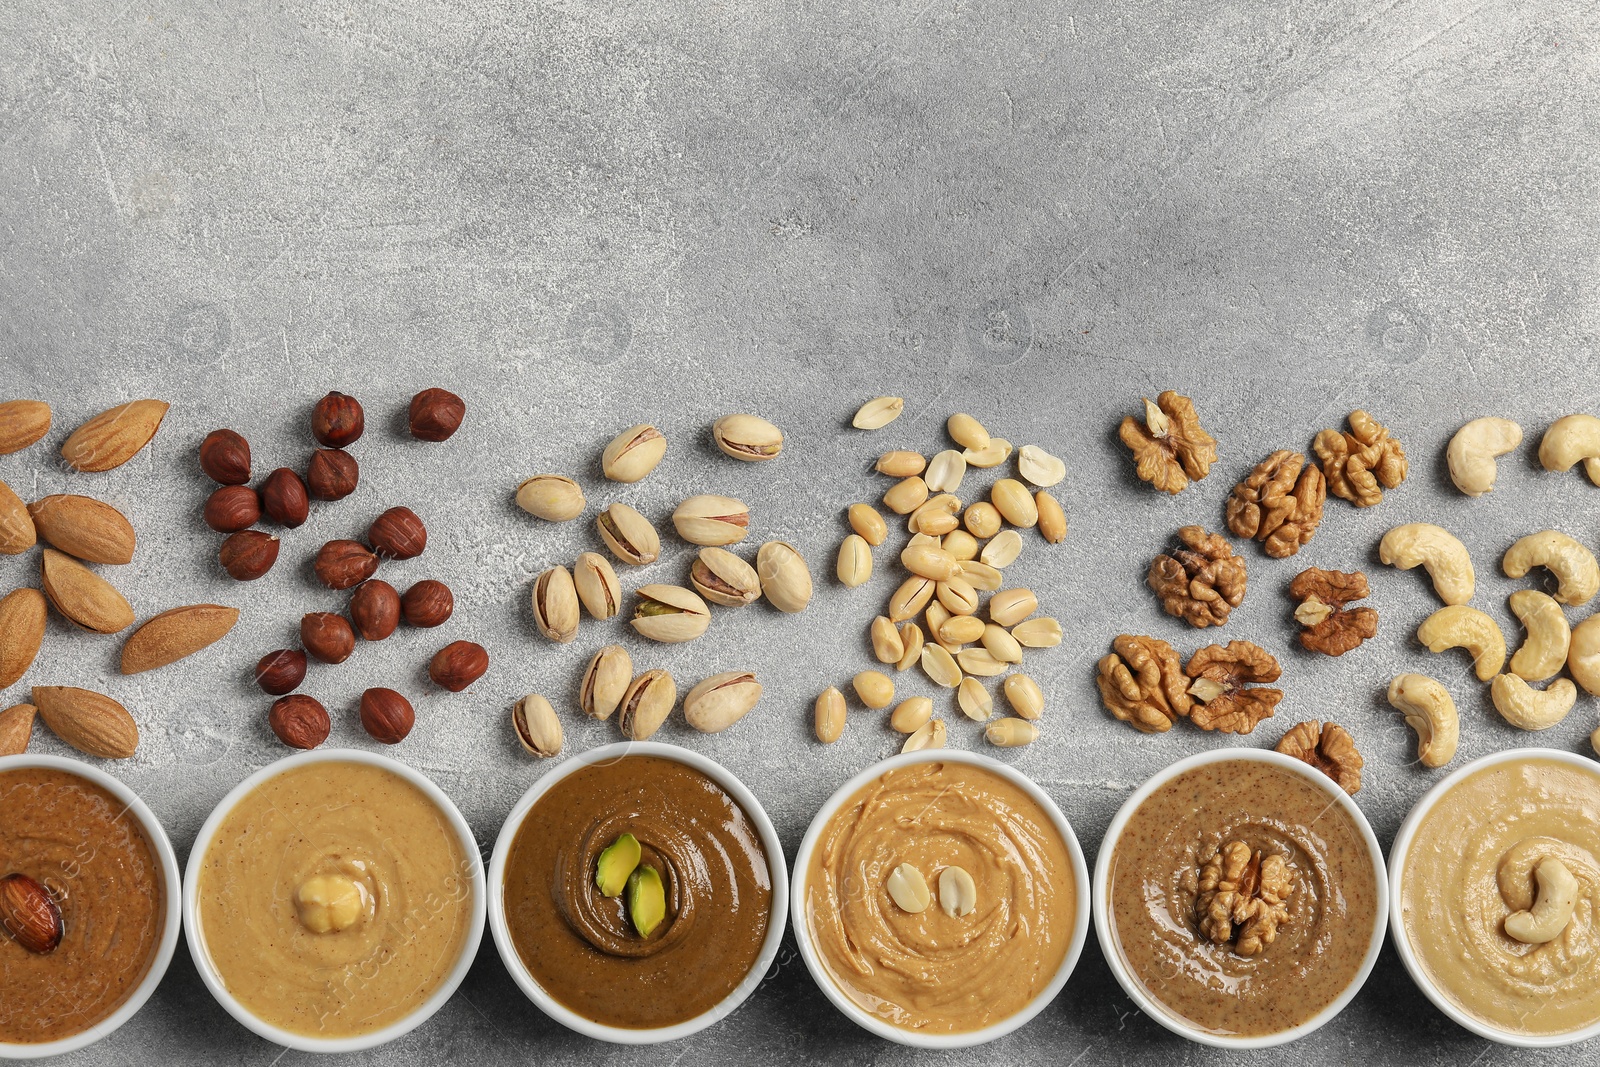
<point>82,526</point>
<point>113,437</point>
<point>17,534</point>
<point>22,619</point>
<point>22,422</point>
<point>174,634</point>
<point>90,722</point>
<point>16,729</point>
<point>85,598</point>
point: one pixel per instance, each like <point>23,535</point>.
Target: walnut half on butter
<point>1243,897</point>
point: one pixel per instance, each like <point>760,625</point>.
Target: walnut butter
<point>1500,896</point>
<point>335,899</point>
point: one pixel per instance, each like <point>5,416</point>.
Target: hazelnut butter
<point>589,943</point>
<point>86,850</point>
<point>1475,863</point>
<point>941,898</point>
<point>1243,897</point>
<point>335,899</point>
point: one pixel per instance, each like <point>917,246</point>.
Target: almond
<point>113,437</point>
<point>84,597</point>
<point>82,526</point>
<point>22,618</point>
<point>16,729</point>
<point>88,721</point>
<point>30,914</point>
<point>17,534</point>
<point>174,634</point>
<point>22,422</point>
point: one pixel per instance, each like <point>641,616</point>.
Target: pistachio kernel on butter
<point>647,900</point>
<point>616,863</point>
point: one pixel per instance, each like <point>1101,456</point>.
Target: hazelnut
<point>282,671</point>
<point>337,420</point>
<point>386,715</point>
<point>375,609</point>
<point>428,603</point>
<point>327,636</point>
<point>344,564</point>
<point>332,474</point>
<point>458,664</point>
<point>436,414</point>
<point>248,554</point>
<point>232,508</point>
<point>299,721</point>
<point>225,457</point>
<point>283,497</point>
<point>398,534</point>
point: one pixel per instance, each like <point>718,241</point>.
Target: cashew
<point>1558,895</point>
<point>1435,548</point>
<point>1577,573</point>
<point>1569,439</point>
<point>1583,656</point>
<point>1528,708</point>
<point>1459,626</point>
<point>1473,450</point>
<point>1431,713</point>
<point>1545,649</point>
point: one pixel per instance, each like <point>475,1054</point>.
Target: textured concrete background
<point>584,215</point>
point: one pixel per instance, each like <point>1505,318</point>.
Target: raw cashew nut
<point>1558,895</point>
<point>1528,708</point>
<point>1545,649</point>
<point>1569,439</point>
<point>1435,548</point>
<point>1577,573</point>
<point>1583,657</point>
<point>1459,626</point>
<point>1431,713</point>
<point>1473,450</point>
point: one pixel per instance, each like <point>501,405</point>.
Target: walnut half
<point>1199,579</point>
<point>1169,448</point>
<point>1362,462</point>
<point>1225,686</point>
<point>1329,626</point>
<point>1279,503</point>
<point>1329,748</point>
<point>1142,684</point>
<point>1243,897</point>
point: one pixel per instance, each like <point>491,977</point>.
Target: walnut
<point>1362,462</point>
<point>1141,683</point>
<point>1279,503</point>
<point>1329,748</point>
<point>1330,627</point>
<point>1169,448</point>
<point>1200,580</point>
<point>1223,676</point>
<point>1243,897</point>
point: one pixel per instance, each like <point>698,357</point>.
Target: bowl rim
<point>1111,949</point>
<point>1402,941</point>
<point>196,935</point>
<point>900,1035</point>
<point>166,859</point>
<point>776,921</point>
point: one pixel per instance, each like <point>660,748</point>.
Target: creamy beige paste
<point>1477,847</point>
<point>406,876</point>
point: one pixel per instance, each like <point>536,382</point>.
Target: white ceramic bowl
<point>196,934</point>
<point>775,921</point>
<point>1113,951</point>
<point>168,861</point>
<point>1402,942</point>
<point>865,1019</point>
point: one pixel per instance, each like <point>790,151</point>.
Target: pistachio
<point>536,725</point>
<point>708,519</point>
<point>604,682</point>
<point>785,579</point>
<point>747,437</point>
<point>721,700</point>
<point>906,496</point>
<point>887,645</point>
<point>616,862</point>
<point>958,596</point>
<point>1037,633</point>
<point>1024,696</point>
<point>647,900</point>
<point>958,893</point>
<point>878,413</point>
<point>597,585</point>
<point>1052,520</point>
<point>865,520</point>
<point>646,704</point>
<point>981,576</point>
<point>633,453</point>
<point>981,663</point>
<point>900,464</point>
<point>974,700</point>
<point>982,519</point>
<point>1010,606</point>
<point>967,432</point>
<point>940,666</point>
<point>960,544</point>
<point>723,578</point>
<point>874,688</point>
<point>945,472</point>
<point>669,614</point>
<point>930,561</point>
<point>931,735</point>
<point>909,890</point>
<point>1002,551</point>
<point>1001,644</point>
<point>1010,497</point>
<point>828,715</point>
<point>1011,733</point>
<point>960,630</point>
<point>912,596</point>
<point>997,452</point>
<point>1040,467</point>
<point>552,497</point>
<point>555,605</point>
<point>629,535</point>
<point>936,516</point>
<point>911,638</point>
<point>911,714</point>
<point>855,561</point>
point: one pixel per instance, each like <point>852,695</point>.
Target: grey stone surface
<point>581,215</point>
